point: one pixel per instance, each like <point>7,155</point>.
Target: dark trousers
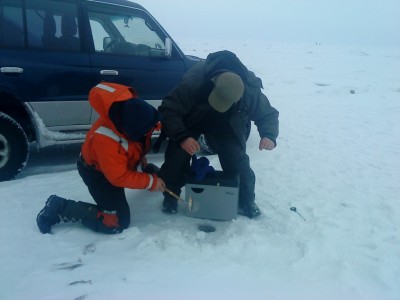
<point>232,157</point>
<point>107,196</point>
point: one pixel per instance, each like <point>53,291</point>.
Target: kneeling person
<point>114,149</point>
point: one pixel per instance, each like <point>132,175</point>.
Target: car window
<point>124,33</point>
<point>52,25</point>
<point>11,24</point>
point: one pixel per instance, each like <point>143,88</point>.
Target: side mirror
<point>168,47</point>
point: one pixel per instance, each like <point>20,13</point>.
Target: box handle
<point>197,190</point>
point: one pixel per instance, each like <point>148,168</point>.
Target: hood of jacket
<point>105,94</point>
<point>121,109</point>
<point>225,60</point>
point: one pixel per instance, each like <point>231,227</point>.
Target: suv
<point>52,52</point>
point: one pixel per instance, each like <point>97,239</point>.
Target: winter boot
<point>161,138</point>
<point>58,210</point>
<point>249,210</point>
<point>80,212</point>
<point>170,205</point>
<point>50,214</point>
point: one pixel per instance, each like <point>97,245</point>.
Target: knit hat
<point>228,89</point>
<point>137,118</point>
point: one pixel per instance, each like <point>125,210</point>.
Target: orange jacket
<point>108,150</point>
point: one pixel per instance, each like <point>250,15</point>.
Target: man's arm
<point>265,116</point>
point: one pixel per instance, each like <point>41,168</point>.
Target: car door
<point>47,65</point>
<point>129,49</point>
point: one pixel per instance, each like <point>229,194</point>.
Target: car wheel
<point>14,148</point>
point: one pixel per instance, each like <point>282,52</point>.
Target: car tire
<point>14,148</point>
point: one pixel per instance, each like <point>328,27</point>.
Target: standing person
<point>114,149</point>
<point>218,97</point>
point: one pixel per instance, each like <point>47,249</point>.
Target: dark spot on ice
<point>206,228</point>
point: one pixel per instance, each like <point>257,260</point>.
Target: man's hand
<point>266,144</point>
<point>160,186</point>
<point>190,145</point>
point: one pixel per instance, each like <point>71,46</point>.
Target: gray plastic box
<point>214,197</point>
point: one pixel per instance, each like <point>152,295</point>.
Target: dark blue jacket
<point>186,104</point>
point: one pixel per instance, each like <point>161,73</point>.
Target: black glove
<point>151,169</point>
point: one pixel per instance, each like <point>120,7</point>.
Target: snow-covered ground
<point>337,162</point>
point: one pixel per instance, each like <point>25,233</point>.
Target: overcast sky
<point>322,21</point>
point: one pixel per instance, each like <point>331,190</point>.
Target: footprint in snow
<point>81,297</point>
<point>89,249</point>
<point>68,265</point>
<point>81,282</point>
